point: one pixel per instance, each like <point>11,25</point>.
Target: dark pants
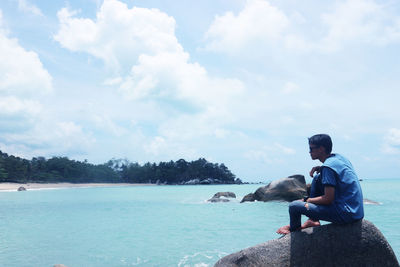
<point>314,212</point>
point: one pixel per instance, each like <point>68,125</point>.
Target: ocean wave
<point>201,259</point>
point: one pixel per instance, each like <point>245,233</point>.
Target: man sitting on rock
<point>335,194</point>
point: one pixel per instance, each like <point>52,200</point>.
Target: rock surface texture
<point>286,189</point>
<point>358,244</point>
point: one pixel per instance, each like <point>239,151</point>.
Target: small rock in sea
<point>225,194</point>
<point>59,265</point>
<point>21,188</point>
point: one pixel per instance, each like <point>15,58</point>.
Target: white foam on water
<point>197,259</point>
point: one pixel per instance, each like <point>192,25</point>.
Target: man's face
<point>315,151</point>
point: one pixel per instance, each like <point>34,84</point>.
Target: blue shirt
<point>338,172</point>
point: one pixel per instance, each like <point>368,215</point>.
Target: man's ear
<point>323,150</point>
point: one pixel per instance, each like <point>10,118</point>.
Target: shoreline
<point>36,186</point>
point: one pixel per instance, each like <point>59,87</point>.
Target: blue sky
<point>237,82</point>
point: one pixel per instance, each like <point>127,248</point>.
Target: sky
<point>243,83</point>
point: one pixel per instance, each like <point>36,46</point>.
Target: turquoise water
<point>153,225</point>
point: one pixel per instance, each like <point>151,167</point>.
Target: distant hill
<point>63,169</point>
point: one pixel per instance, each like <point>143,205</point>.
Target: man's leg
<point>321,212</point>
<point>317,189</point>
<point>296,209</point>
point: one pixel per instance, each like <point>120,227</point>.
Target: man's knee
<point>295,206</point>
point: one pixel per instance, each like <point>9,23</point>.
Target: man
<point>335,194</point>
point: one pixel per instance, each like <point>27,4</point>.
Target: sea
<point>154,225</point>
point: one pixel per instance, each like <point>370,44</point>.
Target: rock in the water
<point>286,189</point>
<point>248,197</point>
<point>59,265</point>
<point>21,188</point>
<point>225,194</point>
<point>357,244</point>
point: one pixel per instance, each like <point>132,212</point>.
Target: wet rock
<point>249,197</point>
<point>222,197</point>
<point>225,194</point>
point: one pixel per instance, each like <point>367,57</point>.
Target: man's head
<point>317,142</point>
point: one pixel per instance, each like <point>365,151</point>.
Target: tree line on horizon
<point>63,169</point>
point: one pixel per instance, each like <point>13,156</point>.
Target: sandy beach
<point>36,186</point>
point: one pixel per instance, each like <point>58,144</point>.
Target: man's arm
<point>315,169</point>
<point>326,199</point>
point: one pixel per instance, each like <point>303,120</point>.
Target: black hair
<point>321,140</point>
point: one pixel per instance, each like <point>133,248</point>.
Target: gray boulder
<point>224,195</point>
<point>21,188</point>
<point>358,244</point>
<point>285,189</point>
<point>248,197</point>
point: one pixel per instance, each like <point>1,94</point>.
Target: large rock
<point>359,244</point>
<point>21,188</point>
<point>286,189</point>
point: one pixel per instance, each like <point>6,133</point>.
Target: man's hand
<point>315,169</point>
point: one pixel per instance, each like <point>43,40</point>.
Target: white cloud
<point>27,7</point>
<point>168,149</point>
<point>391,143</point>
<point>272,154</point>
<point>28,127</point>
<point>360,21</point>
<point>11,105</point>
<point>113,81</point>
<point>169,75</point>
<point>119,34</point>
<point>48,138</point>
<point>259,21</point>
<point>149,64</point>
<point>156,145</point>
<point>141,44</point>
<point>104,121</point>
<point>21,71</point>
